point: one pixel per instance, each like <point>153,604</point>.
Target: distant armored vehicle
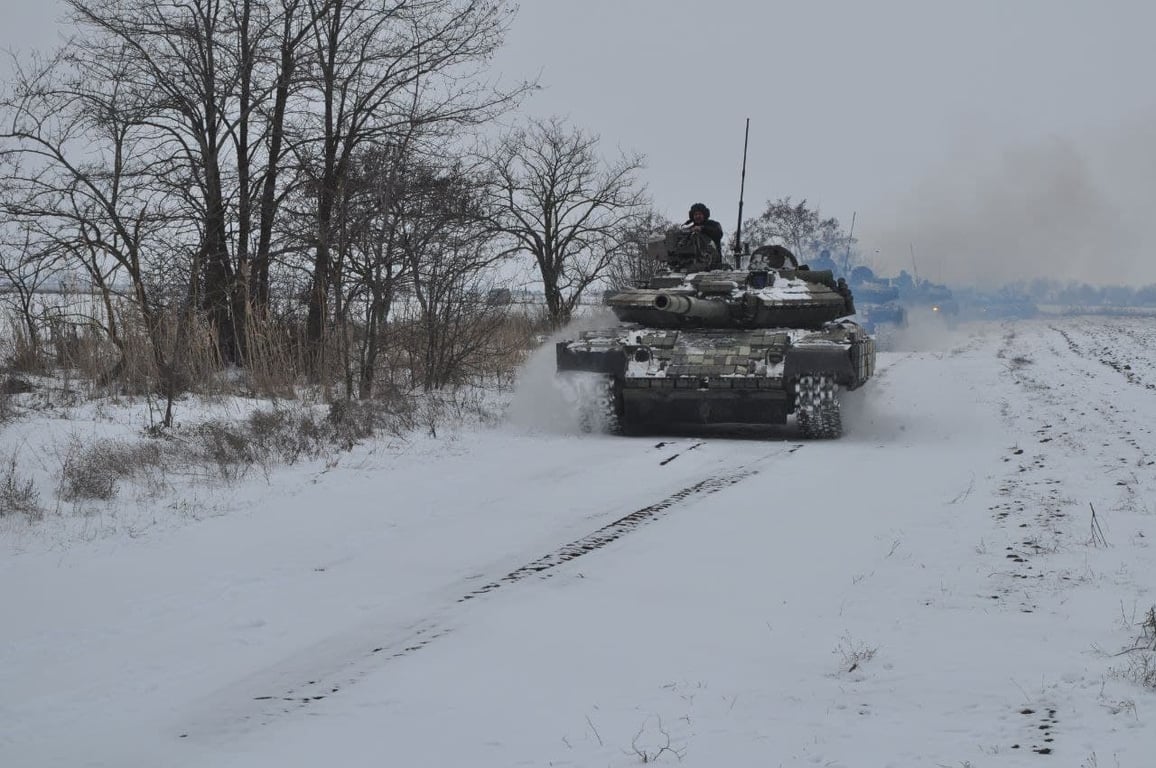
<point>702,342</point>
<point>926,295</point>
<point>877,300</point>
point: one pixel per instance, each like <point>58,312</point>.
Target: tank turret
<point>684,250</point>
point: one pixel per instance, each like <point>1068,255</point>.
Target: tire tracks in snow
<point>1036,514</point>
<point>267,696</point>
<point>1107,354</point>
<point>612,532</point>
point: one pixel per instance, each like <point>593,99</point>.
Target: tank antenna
<point>850,239</point>
<point>742,188</point>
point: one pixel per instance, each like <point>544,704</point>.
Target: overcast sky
<point>992,137</point>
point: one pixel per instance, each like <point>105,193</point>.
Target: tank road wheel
<point>599,406</point>
<point>817,407</point>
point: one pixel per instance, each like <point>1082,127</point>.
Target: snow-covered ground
<point>930,590</point>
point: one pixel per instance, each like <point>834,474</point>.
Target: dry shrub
<point>95,471</point>
<point>26,357</point>
<point>351,421</point>
<point>287,435</point>
<point>226,446</point>
<point>86,473</point>
<point>114,348</point>
<point>473,345</point>
<point>229,449</point>
<point>130,364</point>
<point>18,494</point>
<point>1140,670</point>
<point>9,386</point>
<point>81,346</point>
<point>504,348</point>
<point>1141,657</point>
<point>182,340</point>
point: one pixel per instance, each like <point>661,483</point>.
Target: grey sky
<point>993,136</point>
<point>915,114</point>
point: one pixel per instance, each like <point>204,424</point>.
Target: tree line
<point>256,167</point>
<point>316,184</point>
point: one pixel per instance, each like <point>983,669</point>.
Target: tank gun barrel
<point>665,308</point>
<point>692,307</point>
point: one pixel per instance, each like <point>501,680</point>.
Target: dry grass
<point>95,471</point>
<point>1140,668</point>
<point>227,450</point>
<point>121,356</point>
<point>276,359</point>
<point>177,355</point>
<point>25,356</point>
<point>7,389</point>
<point>18,494</point>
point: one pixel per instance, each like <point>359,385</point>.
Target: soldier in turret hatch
<point>700,221</point>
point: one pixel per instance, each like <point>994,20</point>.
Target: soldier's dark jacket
<point>713,230</point>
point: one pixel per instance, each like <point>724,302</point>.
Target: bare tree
<point>383,68</point>
<point>177,69</point>
<point>25,270</point>
<point>81,160</point>
<point>294,32</point>
<point>564,205</point>
<point>795,225</point>
<point>436,226</point>
<point>166,144</point>
<point>375,265</point>
<point>416,221</point>
<point>635,264</point>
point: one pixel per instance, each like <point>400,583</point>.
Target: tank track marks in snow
<point>614,531</point>
<point>1106,357</point>
<point>818,415</point>
<point>226,716</point>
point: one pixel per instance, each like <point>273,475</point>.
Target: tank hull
<point>709,344</point>
<point>661,377</point>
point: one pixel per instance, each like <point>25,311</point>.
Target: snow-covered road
<point>928,590</point>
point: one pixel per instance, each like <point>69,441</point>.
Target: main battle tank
<point>704,343</point>
<point>877,300</point>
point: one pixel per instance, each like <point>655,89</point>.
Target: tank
<point>926,295</point>
<point>702,342</point>
<point>877,300</point>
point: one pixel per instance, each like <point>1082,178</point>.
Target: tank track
<point>817,407</point>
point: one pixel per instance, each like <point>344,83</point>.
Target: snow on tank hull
<point>703,343</point>
<point>658,378</point>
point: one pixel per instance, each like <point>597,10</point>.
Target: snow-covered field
<point>930,590</point>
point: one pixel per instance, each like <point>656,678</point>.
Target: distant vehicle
<point>877,300</point>
<point>928,295</point>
